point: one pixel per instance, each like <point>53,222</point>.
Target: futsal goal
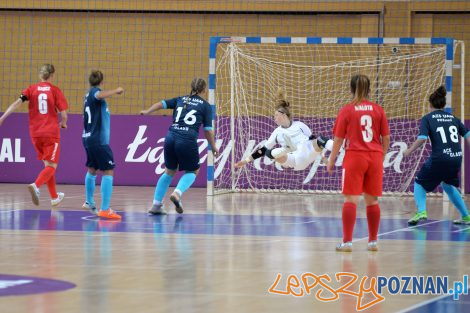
<point>315,72</point>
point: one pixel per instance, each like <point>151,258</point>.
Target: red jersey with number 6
<point>362,125</point>
<point>45,101</point>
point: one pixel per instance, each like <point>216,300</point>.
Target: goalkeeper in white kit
<point>298,147</point>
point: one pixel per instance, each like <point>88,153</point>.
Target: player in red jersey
<point>363,127</point>
<point>45,100</point>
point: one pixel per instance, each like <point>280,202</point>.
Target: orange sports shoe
<point>109,214</point>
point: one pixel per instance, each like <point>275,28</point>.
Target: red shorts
<point>47,149</point>
<point>362,173</point>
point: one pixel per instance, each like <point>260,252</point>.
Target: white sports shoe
<point>290,147</point>
<point>157,209</point>
<point>372,246</point>
<point>344,247</point>
<point>34,191</point>
<point>58,200</point>
<point>90,207</point>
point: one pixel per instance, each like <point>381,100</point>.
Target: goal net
<point>315,77</point>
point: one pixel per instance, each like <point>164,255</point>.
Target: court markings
<point>400,230</point>
<point>442,303</point>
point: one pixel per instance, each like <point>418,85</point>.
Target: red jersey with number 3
<point>361,126</point>
<point>45,101</point>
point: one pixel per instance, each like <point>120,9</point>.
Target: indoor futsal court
<point>222,254</point>
<point>263,216</point>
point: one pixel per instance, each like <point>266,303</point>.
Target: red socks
<point>349,220</point>
<point>44,176</point>
<point>373,220</point>
<point>51,187</point>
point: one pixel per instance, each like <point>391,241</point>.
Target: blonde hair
<point>360,87</point>
<point>282,105</point>
<point>46,71</point>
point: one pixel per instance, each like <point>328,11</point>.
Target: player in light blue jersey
<point>96,131</point>
<point>444,131</point>
<point>181,151</point>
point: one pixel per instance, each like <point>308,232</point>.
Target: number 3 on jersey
<point>189,118</point>
<point>366,123</point>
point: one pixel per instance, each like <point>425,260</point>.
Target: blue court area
<point>241,225</point>
<point>444,303</point>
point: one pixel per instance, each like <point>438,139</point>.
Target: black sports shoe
<point>321,141</point>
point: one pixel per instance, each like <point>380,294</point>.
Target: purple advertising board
<point>137,142</point>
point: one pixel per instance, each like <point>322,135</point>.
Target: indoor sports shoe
<point>344,247</point>
<point>157,209</point>
<point>463,221</point>
<point>58,200</point>
<point>90,207</point>
<point>321,141</point>
<point>109,214</point>
<point>34,191</point>
<point>372,246</point>
<point>290,147</point>
<point>419,217</point>
<point>177,202</point>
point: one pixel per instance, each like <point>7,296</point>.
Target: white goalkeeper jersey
<point>298,133</point>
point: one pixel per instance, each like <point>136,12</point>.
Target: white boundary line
<point>458,231</point>
<point>401,229</point>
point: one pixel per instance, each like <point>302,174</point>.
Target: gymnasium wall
<point>154,48</point>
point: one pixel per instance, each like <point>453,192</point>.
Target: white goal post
<point>314,72</point>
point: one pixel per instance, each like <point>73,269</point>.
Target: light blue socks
<point>455,198</point>
<point>420,197</point>
<point>106,191</point>
<point>162,186</point>
<point>185,182</point>
<point>90,182</point>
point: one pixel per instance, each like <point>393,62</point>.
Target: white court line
<point>401,229</point>
<point>418,305</point>
<point>66,197</point>
<point>10,210</point>
<point>457,231</point>
<point>150,221</point>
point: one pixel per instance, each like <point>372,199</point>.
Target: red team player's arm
<point>15,105</point>
<point>385,133</point>
<point>61,106</point>
<point>339,131</point>
<point>12,108</point>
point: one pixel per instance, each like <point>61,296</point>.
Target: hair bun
<point>438,98</point>
<point>281,98</point>
<point>441,92</point>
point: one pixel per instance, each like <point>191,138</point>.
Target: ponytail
<point>46,71</point>
<point>197,86</point>
<point>360,87</point>
<point>282,105</point>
